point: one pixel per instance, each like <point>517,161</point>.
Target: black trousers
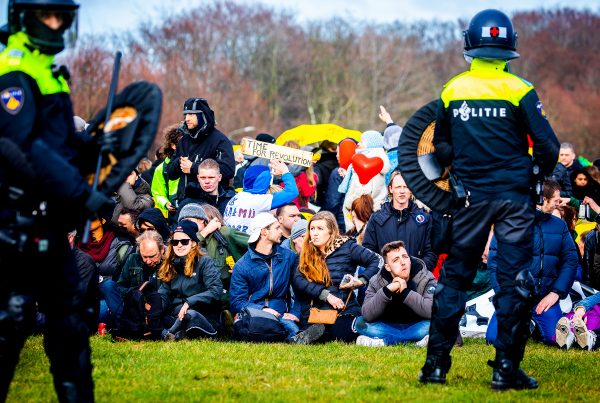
<point>512,215</point>
<point>49,278</point>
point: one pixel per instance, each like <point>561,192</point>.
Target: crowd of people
<point>205,257</point>
<point>205,242</point>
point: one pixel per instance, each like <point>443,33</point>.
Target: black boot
<point>435,369</point>
<point>71,392</point>
<point>508,375</point>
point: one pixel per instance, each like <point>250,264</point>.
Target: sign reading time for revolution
<point>273,151</point>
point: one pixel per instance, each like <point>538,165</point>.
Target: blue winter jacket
<point>256,284</point>
<point>560,264</point>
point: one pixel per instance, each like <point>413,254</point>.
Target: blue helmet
<point>491,36</point>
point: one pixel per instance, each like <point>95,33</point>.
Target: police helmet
<point>26,16</point>
<point>491,36</point>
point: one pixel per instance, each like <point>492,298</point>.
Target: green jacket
<point>237,245</point>
<point>160,192</point>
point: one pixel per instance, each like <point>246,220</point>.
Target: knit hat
<point>187,227</point>
<point>193,210</point>
<point>155,217</point>
<point>299,228</point>
<point>372,139</point>
<point>260,221</point>
<point>391,136</point>
<point>267,138</point>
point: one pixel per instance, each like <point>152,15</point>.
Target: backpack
<point>138,322</point>
<point>259,326</point>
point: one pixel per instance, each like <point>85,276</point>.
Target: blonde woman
<point>326,258</point>
<point>191,286</point>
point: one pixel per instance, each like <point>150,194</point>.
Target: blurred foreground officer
<point>43,196</point>
<point>484,116</point>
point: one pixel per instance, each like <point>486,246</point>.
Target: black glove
<point>97,204</point>
<point>108,142</point>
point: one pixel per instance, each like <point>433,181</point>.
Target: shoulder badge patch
<point>540,109</point>
<point>12,99</point>
<point>420,219</point>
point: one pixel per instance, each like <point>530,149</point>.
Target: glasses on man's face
<point>184,242</point>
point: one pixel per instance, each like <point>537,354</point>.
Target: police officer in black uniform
<point>43,196</point>
<point>484,117</point>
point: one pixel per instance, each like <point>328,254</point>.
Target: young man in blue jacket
<point>261,278</point>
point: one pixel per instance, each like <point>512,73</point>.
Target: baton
<point>109,103</point>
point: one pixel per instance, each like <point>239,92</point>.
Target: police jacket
<point>412,305</point>
<point>411,226</point>
<point>37,116</point>
<point>261,282</point>
<point>343,257</point>
<point>554,265</point>
<point>210,143</point>
<point>484,117</point>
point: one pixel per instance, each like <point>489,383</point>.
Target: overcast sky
<point>105,16</point>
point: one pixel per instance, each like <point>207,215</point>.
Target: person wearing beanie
<point>261,278</point>
<point>190,287</point>
<point>153,219</point>
<point>245,205</point>
<point>294,243</point>
<point>370,145</point>
<point>222,244</point>
<point>200,141</point>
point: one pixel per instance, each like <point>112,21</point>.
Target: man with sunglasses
<point>201,140</point>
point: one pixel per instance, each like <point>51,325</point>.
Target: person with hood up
<point>254,199</point>
<point>371,145</point>
<point>200,141</point>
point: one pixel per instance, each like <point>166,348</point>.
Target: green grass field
<point>220,371</point>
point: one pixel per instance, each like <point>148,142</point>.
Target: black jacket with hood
<point>199,144</point>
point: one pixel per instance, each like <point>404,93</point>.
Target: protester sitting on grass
<point>297,237</point>
<point>581,325</point>
<point>191,287</point>
<point>553,267</point>
<point>255,199</point>
<point>261,278</point>
<point>326,258</point>
<point>222,244</point>
<point>398,302</point>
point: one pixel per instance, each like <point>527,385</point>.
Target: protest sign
<point>273,151</point>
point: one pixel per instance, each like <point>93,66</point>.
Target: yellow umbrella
<point>312,134</point>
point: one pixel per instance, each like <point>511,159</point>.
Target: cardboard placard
<point>273,151</point>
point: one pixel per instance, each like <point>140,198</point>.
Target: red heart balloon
<point>366,168</point>
<point>347,150</point>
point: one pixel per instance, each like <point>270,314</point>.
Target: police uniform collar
<point>482,64</point>
<point>20,40</point>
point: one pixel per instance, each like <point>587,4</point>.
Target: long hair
<point>167,270</point>
<point>312,260</point>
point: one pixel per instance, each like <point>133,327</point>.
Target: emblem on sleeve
<point>420,219</point>
<point>540,109</point>
<point>12,99</point>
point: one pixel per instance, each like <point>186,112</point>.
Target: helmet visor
<point>48,27</point>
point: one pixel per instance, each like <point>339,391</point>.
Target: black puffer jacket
<point>195,194</point>
<point>208,143</point>
<point>411,225</point>
<point>343,258</point>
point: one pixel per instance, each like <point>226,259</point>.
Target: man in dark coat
<point>200,141</point>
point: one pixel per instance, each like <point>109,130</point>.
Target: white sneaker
<point>423,342</point>
<point>369,341</point>
<point>585,338</point>
<point>564,336</point>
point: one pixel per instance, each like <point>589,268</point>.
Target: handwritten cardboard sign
<point>273,151</point>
